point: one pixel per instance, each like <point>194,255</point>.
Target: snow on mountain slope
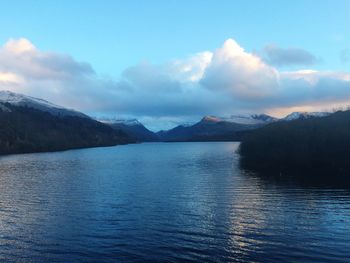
<point>242,119</point>
<point>304,115</point>
<point>251,119</point>
<point>128,122</point>
<point>187,124</point>
<point>255,119</point>
<point>21,100</point>
<point>4,108</point>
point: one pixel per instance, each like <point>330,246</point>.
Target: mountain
<point>33,125</point>
<point>212,128</point>
<point>20,100</point>
<point>254,119</point>
<point>304,115</point>
<point>133,128</point>
<point>312,145</point>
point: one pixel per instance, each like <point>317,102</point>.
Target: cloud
<point>308,87</point>
<point>278,56</point>
<point>19,46</point>
<point>225,81</point>
<point>21,57</point>
<point>9,78</point>
<point>239,73</point>
<point>50,75</point>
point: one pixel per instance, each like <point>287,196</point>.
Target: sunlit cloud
<point>9,78</point>
<point>241,74</point>
<point>19,46</point>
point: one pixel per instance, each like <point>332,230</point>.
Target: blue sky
<point>114,36</point>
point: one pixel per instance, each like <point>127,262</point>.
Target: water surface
<point>156,202</point>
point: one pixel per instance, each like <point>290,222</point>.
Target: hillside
<point>318,144</point>
<point>33,125</point>
<point>134,129</point>
<point>212,128</point>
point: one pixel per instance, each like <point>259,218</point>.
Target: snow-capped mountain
<point>132,127</point>
<point>128,122</point>
<point>304,115</point>
<point>35,125</point>
<point>253,119</point>
<point>213,128</point>
<point>20,100</point>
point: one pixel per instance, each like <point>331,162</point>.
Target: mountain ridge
<point>135,129</point>
<point>33,125</point>
<point>312,145</point>
<point>209,128</point>
<point>21,100</point>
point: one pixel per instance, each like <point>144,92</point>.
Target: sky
<point>170,62</point>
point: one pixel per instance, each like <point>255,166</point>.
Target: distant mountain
<point>212,128</point>
<point>305,145</point>
<point>133,128</point>
<point>248,119</point>
<point>29,124</point>
<point>304,115</point>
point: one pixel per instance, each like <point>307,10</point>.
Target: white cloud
<point>191,69</point>
<point>226,81</point>
<point>19,46</point>
<point>241,74</point>
<point>50,75</point>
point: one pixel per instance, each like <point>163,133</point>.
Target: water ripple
<point>178,202</point>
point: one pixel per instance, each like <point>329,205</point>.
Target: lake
<point>157,202</point>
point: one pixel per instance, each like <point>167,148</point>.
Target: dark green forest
<point>314,145</point>
<point>25,129</point>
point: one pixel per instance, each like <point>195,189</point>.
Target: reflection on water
<point>163,202</point>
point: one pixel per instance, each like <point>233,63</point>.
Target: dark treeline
<point>25,129</point>
<point>315,145</point>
